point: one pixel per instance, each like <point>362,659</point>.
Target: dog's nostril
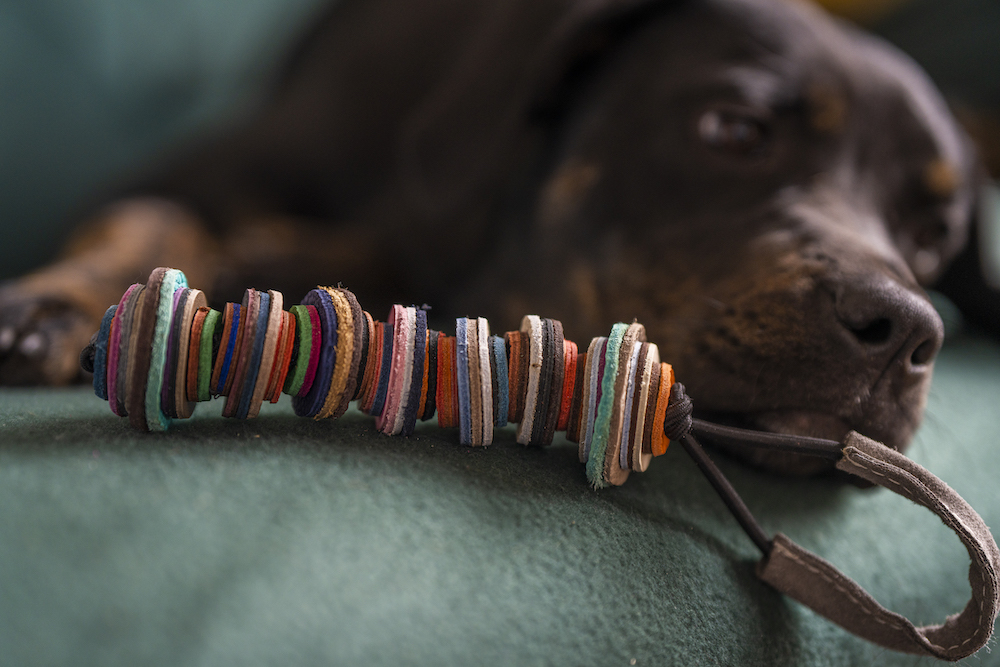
<point>888,322</point>
<point>924,353</point>
<point>875,333</point>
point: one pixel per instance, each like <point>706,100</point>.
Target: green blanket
<point>286,541</point>
<point>282,541</point>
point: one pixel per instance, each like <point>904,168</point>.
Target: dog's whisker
<point>715,303</point>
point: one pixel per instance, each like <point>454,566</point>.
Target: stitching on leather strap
<point>862,605</point>
<point>866,462</point>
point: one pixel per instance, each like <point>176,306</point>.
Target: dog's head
<point>766,190</point>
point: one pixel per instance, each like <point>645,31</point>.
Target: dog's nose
<point>890,323</point>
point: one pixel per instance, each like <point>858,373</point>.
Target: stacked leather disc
<point>161,350</point>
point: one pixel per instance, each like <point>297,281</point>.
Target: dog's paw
<point>41,337</point>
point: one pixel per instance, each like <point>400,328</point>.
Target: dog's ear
<point>972,280</point>
<point>520,52</point>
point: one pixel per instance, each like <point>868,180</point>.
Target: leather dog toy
<point>160,350</point>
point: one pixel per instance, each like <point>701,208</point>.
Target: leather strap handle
<point>804,576</point>
<point>814,582</point>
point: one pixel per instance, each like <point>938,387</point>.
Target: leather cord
<point>728,494</point>
<point>804,576</point>
<point>727,435</point>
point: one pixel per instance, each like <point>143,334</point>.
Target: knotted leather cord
<point>804,576</point>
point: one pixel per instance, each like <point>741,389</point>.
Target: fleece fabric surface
<point>287,541</point>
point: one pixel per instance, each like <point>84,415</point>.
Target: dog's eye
<point>732,131</point>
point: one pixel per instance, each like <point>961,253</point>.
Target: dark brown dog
<point>764,189</point>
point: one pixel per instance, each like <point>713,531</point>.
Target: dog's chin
<point>789,422</point>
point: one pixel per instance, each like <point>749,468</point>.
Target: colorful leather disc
<point>660,441</point>
<point>641,457</point>
<point>126,352</point>
<point>167,403</point>
<point>114,350</point>
<point>288,344</point>
<point>446,382</point>
<point>464,399</point>
<point>374,368</point>
<point>402,323</point>
<point>365,380</point>
<point>194,354</point>
<point>613,473</point>
<point>200,354</point>
<point>315,350</point>
<point>310,404</point>
<point>575,412</point>
<point>475,384</point>
<point>271,328</point>
<point>101,353</point>
<point>501,383</point>
<point>631,403</point>
<point>417,373</point>
<point>303,347</point>
<point>365,371</point>
<point>544,392</point>
<point>270,387</point>
<point>384,369</point>
<point>650,422</point>
<point>141,349</point>
<point>345,354</point>
<point>569,384</point>
<point>183,407</point>
<point>173,280</point>
<point>257,342</point>
<point>422,400</point>
<point>223,360</point>
<point>212,329</point>
<point>366,335</point>
<point>250,314</point>
<point>531,325</point>
<point>517,373</point>
<point>401,392</point>
<point>162,317</point>
<point>430,404</point>
<point>605,407</point>
<point>591,395</point>
<point>240,346</point>
<point>359,339</point>
<point>558,371</point>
